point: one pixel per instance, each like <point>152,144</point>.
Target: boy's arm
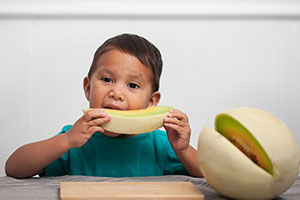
<point>189,160</point>
<point>31,159</point>
<point>179,132</point>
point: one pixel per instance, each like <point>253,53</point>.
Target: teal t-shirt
<point>148,154</point>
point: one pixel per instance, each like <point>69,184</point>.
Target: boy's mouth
<point>115,107</point>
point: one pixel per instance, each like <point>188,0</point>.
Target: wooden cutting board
<point>129,190</point>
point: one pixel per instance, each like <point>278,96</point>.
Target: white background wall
<point>217,55</point>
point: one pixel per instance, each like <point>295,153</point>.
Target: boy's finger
<point>94,129</point>
<point>174,113</point>
<point>179,129</point>
<point>173,121</point>
<point>95,113</point>
<point>99,121</point>
<point>171,125</point>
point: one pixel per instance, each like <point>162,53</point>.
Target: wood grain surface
<point>129,190</point>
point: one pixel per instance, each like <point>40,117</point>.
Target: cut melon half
<point>135,121</point>
<point>251,155</point>
<point>241,137</point>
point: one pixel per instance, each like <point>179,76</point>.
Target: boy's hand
<point>86,126</point>
<point>178,129</point>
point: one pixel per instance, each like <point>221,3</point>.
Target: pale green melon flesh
<point>135,121</point>
<point>154,110</point>
<point>239,135</point>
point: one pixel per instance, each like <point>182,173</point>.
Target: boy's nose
<point>116,94</point>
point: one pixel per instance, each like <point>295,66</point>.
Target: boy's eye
<point>133,85</point>
<point>105,79</point>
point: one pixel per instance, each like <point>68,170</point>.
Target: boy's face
<point>120,82</point>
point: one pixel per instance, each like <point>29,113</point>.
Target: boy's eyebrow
<point>136,76</point>
<point>132,76</point>
<point>105,71</point>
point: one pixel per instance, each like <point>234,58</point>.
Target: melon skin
<point>134,125</point>
<point>233,174</point>
<point>135,121</point>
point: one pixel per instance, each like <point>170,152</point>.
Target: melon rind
<point>136,122</point>
<point>228,170</point>
<point>233,174</point>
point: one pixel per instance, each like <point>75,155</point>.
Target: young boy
<point>124,75</point>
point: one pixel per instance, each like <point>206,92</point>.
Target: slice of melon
<point>240,136</point>
<point>251,155</point>
<point>135,121</point>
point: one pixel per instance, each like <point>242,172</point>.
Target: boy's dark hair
<point>137,46</point>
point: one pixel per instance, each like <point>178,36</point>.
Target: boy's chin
<point>111,134</point>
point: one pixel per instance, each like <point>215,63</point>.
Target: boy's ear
<point>86,87</point>
<point>154,99</point>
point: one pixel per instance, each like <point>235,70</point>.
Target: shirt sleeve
<point>173,165</point>
<point>60,166</point>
